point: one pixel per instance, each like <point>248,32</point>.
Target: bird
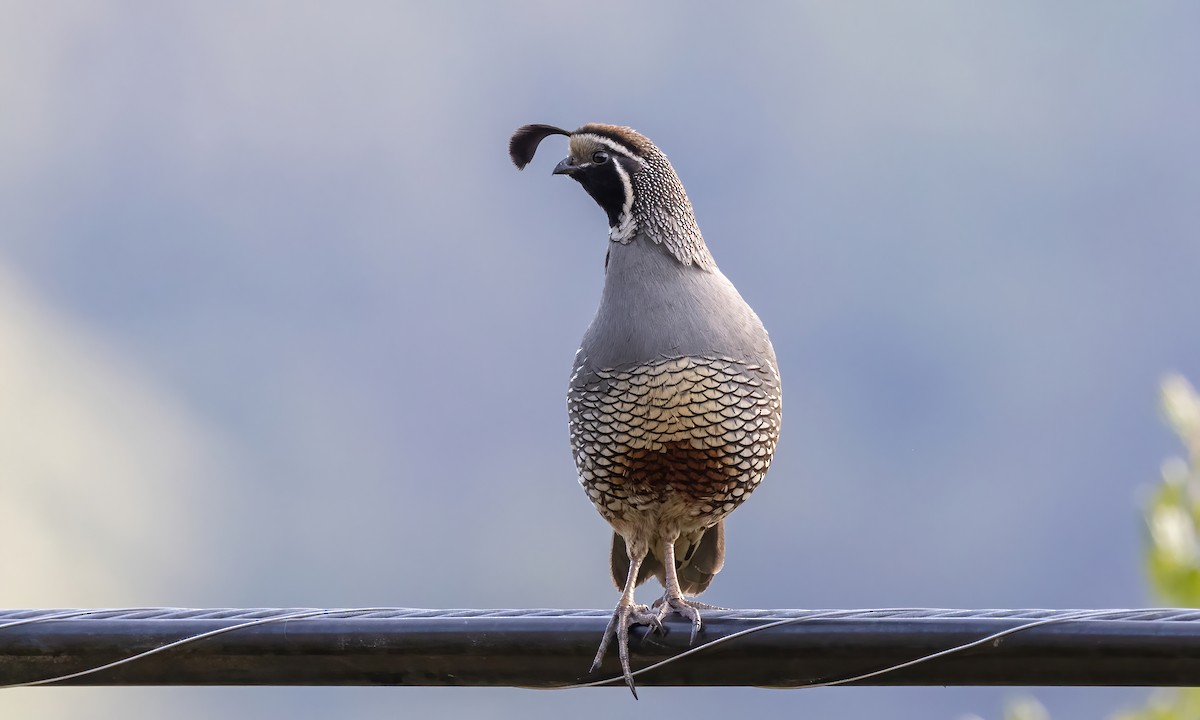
<point>674,402</point>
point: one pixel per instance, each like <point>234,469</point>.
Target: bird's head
<point>629,178</point>
<point>607,160</point>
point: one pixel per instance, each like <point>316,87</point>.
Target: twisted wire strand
<point>1057,617</point>
<point>14,617</point>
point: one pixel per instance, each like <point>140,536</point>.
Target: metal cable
<point>551,647</point>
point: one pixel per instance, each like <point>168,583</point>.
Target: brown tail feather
<point>703,560</point>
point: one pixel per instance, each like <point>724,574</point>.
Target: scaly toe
<point>644,615</point>
<point>623,618</point>
<point>689,611</point>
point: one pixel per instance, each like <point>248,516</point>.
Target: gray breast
<point>675,400</point>
<point>653,306</point>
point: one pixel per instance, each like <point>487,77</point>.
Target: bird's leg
<point>626,615</point>
<point>672,599</point>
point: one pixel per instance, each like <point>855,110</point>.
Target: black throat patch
<point>607,186</point>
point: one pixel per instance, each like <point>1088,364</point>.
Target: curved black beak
<point>566,167</point>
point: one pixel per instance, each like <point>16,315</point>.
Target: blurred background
<point>280,324</point>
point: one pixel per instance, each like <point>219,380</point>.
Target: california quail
<point>674,400</point>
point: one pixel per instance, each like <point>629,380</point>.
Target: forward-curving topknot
<point>525,142</point>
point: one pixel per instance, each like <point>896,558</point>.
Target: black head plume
<point>525,142</point>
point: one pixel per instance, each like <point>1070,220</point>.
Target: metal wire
<point>552,648</point>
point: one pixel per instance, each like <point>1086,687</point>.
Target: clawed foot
<point>688,609</point>
<point>694,603</point>
<point>624,617</point>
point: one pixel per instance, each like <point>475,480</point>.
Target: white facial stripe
<point>625,226</point>
<point>610,144</point>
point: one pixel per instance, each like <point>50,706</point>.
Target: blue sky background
<point>280,325</point>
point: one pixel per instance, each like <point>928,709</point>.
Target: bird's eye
<point>599,157</point>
